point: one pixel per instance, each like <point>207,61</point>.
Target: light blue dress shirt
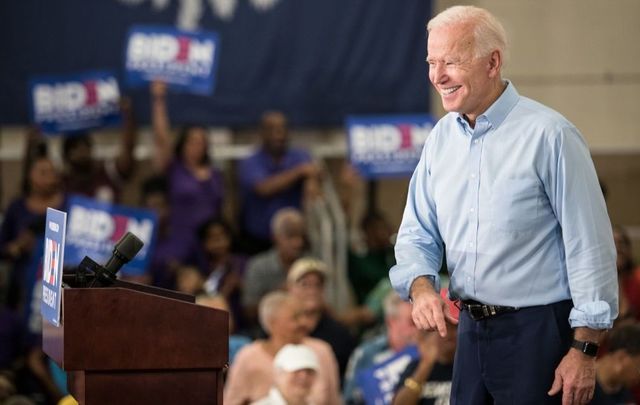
<point>517,203</point>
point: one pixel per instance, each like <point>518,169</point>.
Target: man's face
<point>400,327</point>
<point>463,81</point>
<point>287,322</point>
<point>274,133</point>
<point>291,240</point>
<point>296,385</point>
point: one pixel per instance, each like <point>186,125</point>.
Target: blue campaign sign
<point>378,382</point>
<point>185,60</point>
<point>77,102</point>
<point>95,227</point>
<point>389,145</point>
<point>54,237</point>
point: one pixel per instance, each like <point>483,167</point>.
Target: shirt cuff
<point>594,315</point>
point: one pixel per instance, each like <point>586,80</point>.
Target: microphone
<point>123,251</point>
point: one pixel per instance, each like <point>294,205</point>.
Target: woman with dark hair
<point>195,186</point>
<point>40,189</point>
<point>222,268</point>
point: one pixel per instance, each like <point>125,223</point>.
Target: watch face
<point>590,348</point>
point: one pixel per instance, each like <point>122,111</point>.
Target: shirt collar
<point>499,110</point>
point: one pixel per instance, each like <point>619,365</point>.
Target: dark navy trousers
<point>511,358</point>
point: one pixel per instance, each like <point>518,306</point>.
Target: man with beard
<point>274,177</point>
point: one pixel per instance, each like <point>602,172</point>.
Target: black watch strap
<point>588,348</point>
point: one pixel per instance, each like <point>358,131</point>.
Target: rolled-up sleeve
<point>419,247</point>
<point>587,237</point>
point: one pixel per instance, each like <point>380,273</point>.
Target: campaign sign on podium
<point>387,145</point>
<point>184,60</point>
<point>52,268</point>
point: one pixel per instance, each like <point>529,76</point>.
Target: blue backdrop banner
<point>318,61</point>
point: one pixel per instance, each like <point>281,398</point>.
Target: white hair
<point>269,305</point>
<point>488,32</point>
<point>391,303</point>
<point>283,218</point>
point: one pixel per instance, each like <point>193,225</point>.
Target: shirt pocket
<point>515,204</point>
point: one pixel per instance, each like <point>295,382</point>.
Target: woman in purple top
<point>25,215</point>
<point>195,187</point>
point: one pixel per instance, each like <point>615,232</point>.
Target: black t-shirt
<point>437,388</point>
<point>622,397</point>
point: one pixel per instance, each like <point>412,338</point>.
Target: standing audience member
<point>618,371</point>
<point>372,264</point>
<point>274,177</point>
<point>251,375</point>
<point>102,180</point>
<point>306,281</point>
<point>427,380</point>
<point>222,268</point>
<point>167,255</point>
<point>268,271</point>
<point>507,186</point>
<point>295,369</point>
<point>400,333</point>
<point>195,188</point>
<point>41,189</point>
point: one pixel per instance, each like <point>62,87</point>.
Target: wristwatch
<point>588,348</point>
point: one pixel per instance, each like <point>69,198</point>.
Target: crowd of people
<point>287,344</point>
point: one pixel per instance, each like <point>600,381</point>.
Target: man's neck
<point>499,87</point>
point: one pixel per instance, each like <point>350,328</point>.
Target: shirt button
<point>471,209</point>
<point>470,244</point>
<point>475,141</point>
<point>473,175</point>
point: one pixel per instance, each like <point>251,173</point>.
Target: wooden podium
<point>136,344</point>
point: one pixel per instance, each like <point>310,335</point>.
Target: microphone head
<point>128,246</point>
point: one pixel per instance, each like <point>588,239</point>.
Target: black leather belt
<point>478,311</point>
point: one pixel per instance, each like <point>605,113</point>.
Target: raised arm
<point>125,161</point>
<point>161,127</point>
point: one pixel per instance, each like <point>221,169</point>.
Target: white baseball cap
<point>296,357</point>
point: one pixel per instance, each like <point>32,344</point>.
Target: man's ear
<point>495,63</point>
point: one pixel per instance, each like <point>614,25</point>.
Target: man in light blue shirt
<point>508,186</point>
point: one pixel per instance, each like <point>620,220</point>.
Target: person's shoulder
<point>248,352</point>
<point>317,345</point>
<point>262,259</point>
<point>254,157</point>
<point>539,114</point>
<point>374,344</point>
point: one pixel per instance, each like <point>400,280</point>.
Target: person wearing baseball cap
<point>295,369</point>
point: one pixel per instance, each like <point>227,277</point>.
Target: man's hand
<point>429,312</point>
<point>576,377</point>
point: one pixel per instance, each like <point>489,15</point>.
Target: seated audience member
<point>167,255</point>
<point>274,177</point>
<point>427,380</point>
<point>101,180</point>
<point>189,280</point>
<point>222,268</point>
<point>196,188</point>
<point>400,333</point>
<point>628,278</point>
<point>295,368</point>
<point>251,375</point>
<point>268,271</point>
<point>236,342</point>
<point>618,371</point>
<point>372,264</point>
<point>306,281</point>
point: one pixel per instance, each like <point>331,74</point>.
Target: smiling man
<point>507,185</point>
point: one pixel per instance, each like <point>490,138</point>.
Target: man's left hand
<point>576,378</point>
